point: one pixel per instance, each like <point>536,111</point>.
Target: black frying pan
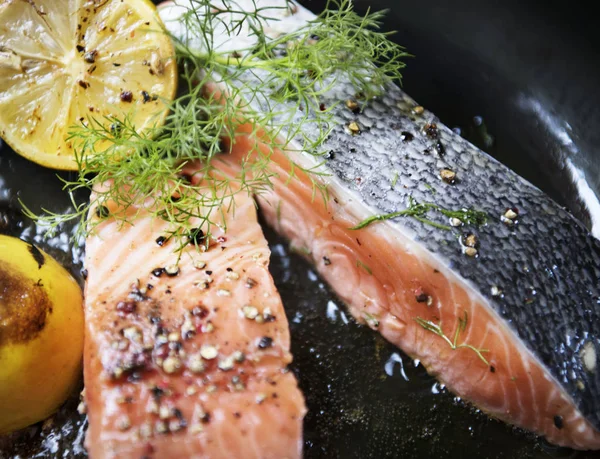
<point>529,69</point>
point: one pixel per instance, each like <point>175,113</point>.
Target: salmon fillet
<point>399,289</point>
<point>187,359</point>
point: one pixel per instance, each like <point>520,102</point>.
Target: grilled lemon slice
<point>63,62</point>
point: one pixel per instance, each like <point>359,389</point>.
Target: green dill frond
<point>460,328</point>
<point>360,264</point>
<point>419,212</point>
<point>296,68</point>
<point>467,216</point>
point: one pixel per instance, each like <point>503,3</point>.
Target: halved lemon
<point>63,62</point>
<point>41,334</point>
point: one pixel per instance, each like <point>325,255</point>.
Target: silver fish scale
<point>547,266</point>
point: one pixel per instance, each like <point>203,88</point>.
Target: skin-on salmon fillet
<point>187,358</point>
<point>458,261</point>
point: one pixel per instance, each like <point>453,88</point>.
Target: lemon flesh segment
<point>64,62</point>
<point>41,334</point>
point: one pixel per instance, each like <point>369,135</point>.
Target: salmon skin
<point>187,359</point>
<point>506,313</point>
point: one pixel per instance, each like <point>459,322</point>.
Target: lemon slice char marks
<point>62,61</point>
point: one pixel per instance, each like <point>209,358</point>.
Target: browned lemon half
<point>41,334</point>
<point>65,61</point>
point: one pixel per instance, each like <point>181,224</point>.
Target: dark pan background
<point>497,60</point>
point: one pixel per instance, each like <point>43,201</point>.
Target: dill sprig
<point>296,68</point>
<point>360,264</point>
<point>371,320</point>
<point>460,328</point>
<point>419,211</point>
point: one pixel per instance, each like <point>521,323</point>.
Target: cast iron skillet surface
<point>517,66</point>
